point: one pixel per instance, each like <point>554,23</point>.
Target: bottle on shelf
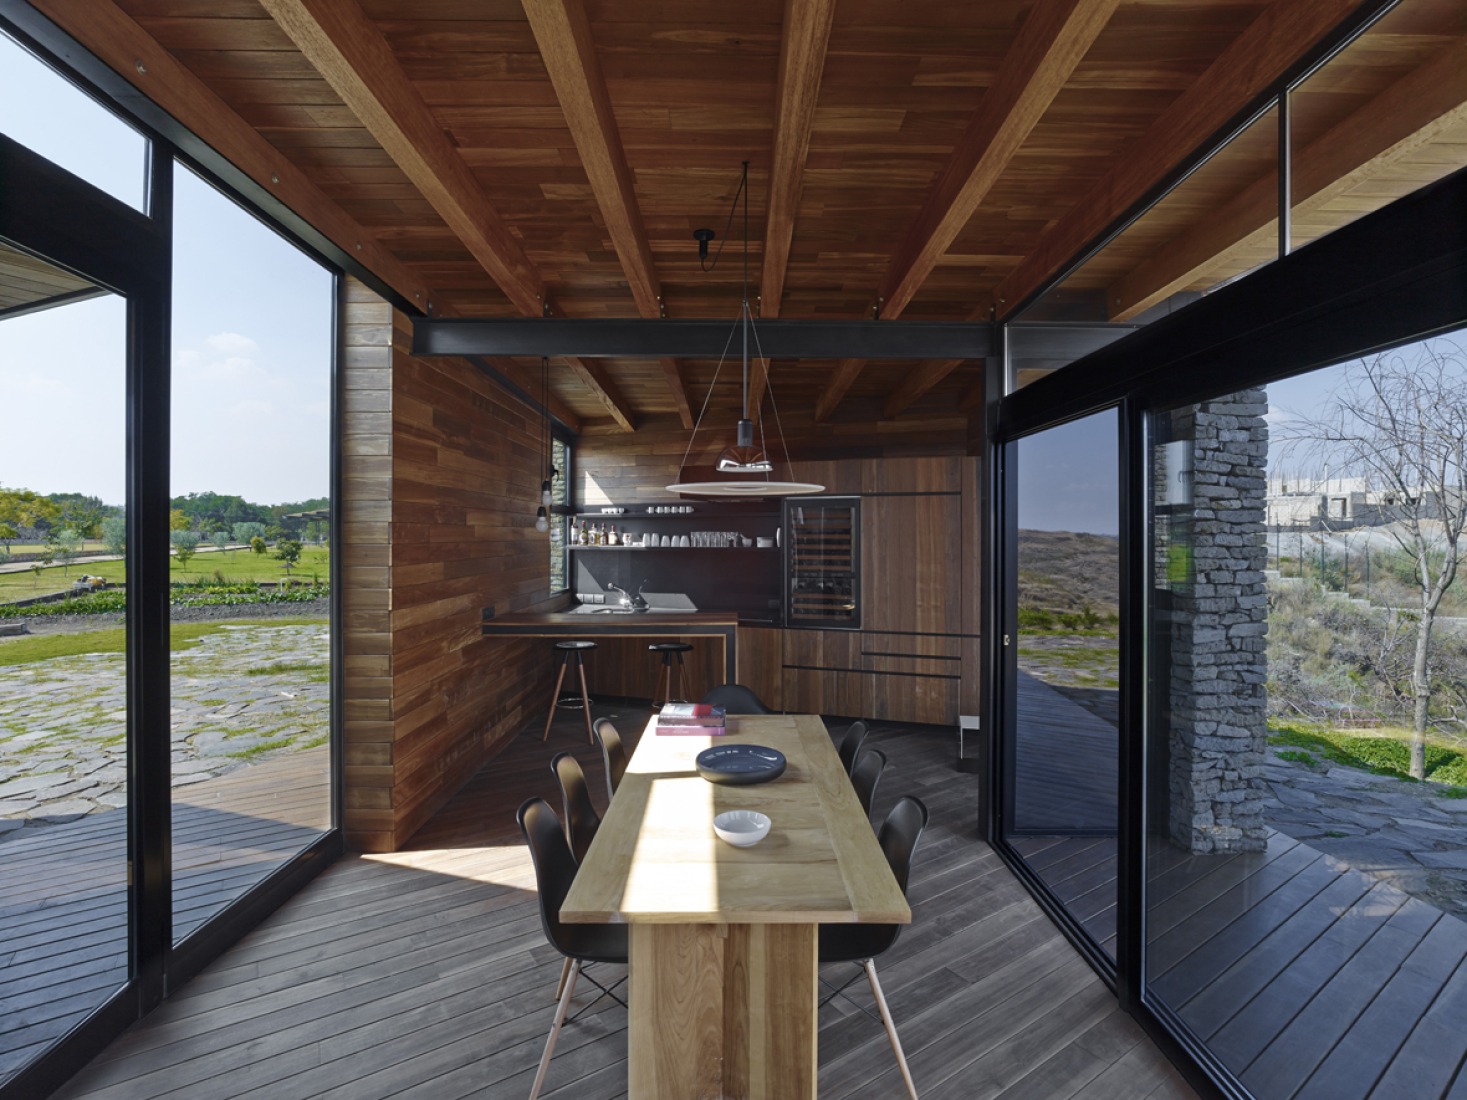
<point>611,538</point>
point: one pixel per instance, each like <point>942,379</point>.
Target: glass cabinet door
<point>822,575</point>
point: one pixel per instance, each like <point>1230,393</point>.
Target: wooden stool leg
<point>585,699</point>
<point>682,678</point>
<point>554,695</point>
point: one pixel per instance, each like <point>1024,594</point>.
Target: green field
<point>43,647</point>
<point>235,565</point>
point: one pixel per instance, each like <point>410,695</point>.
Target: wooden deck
<point>63,898</point>
<point>1308,979</point>
<point>425,974</point>
<point>1066,767</point>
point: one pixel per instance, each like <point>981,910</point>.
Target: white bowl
<point>741,828</point>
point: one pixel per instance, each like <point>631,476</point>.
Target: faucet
<point>634,603</point>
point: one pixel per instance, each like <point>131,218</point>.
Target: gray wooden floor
<point>63,896</point>
<point>425,974</point>
<point>1307,978</point>
<point>1066,769</point>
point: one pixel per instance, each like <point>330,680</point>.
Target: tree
<point>288,551</point>
<point>184,545</point>
<point>64,544</point>
<point>247,531</point>
<point>7,534</point>
<point>114,534</point>
<point>258,544</point>
<point>24,508</point>
<point>1400,420</point>
<point>177,521</point>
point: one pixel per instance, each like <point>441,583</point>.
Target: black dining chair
<point>736,699</point>
<point>581,818</point>
<point>613,755</point>
<point>850,744</point>
<point>866,774</point>
<point>555,870</point>
<point>861,943</point>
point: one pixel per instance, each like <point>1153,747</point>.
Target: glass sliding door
<point>250,568</point>
<point>1063,658</point>
<point>1307,854</point>
<point>64,735</point>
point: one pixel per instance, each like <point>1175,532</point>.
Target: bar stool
<point>669,651</point>
<point>571,652</point>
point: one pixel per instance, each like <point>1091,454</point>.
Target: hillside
<point>1065,571</point>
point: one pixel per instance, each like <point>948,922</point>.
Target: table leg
<point>722,1011</point>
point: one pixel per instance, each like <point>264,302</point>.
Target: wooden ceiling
<point>922,159</point>
<point>28,285</point>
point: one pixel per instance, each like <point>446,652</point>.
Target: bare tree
<point>1399,419</point>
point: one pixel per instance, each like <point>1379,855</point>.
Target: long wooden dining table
<point>722,971</point>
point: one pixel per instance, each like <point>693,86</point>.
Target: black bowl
<point>740,764</point>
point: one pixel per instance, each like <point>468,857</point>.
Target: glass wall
<point>1307,861</point>
<point>64,739</point>
<point>251,473</point>
<point>1061,813</point>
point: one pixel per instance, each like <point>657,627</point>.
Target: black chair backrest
<point>555,867</point>
<point>899,835</point>
<point>613,754</point>
<point>736,699</point>
<point>581,818</point>
<point>865,776</point>
<point>555,870</point>
<point>850,744</point>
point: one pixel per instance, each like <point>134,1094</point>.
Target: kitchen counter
<point>617,624</point>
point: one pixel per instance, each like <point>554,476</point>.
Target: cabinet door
<point>761,666</point>
<point>911,577</point>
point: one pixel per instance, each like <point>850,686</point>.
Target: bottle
<point>611,538</point>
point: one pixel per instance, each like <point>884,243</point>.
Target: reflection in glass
<point>250,570</point>
<point>52,117</point>
<point>559,460</point>
<point>1215,226</point>
<point>63,656</point>
<point>1063,814</point>
<point>1380,119</point>
<point>1306,896</point>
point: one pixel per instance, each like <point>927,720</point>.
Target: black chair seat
<point>575,645</point>
<point>670,647</point>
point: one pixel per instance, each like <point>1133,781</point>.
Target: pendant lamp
<point>743,456</point>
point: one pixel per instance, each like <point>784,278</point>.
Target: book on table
<point>693,718</point>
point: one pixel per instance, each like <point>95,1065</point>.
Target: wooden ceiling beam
<point>598,379</point>
<point>1257,58</point>
<point>1053,39</point>
<point>802,46</point>
<point>522,378</point>
<point>112,35</point>
<point>917,383</point>
<point>352,56</point>
<point>1400,120</point>
<point>563,34</point>
<point>841,379</point>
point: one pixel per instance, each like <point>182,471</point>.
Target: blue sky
<point>251,338</point>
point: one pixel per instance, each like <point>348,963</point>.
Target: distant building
<point>1338,503</point>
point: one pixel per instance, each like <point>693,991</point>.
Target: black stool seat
<point>670,647</point>
<point>572,652</point>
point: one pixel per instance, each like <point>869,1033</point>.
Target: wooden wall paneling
<point>935,474</point>
<point>624,667</point>
<point>367,560</point>
<point>761,663</point>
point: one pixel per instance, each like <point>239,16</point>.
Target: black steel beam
<point>634,338</point>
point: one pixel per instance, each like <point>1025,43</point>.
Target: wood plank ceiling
<point>917,158</point>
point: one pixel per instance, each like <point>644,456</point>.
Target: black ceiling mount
<point>703,236</point>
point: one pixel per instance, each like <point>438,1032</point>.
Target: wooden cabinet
<point>761,663</point>
<point>911,563</point>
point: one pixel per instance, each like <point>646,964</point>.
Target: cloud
<point>232,343</point>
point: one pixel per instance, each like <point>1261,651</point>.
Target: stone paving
<point>1404,832</point>
<point>242,693</point>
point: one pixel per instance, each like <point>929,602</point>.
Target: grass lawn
<point>43,647</point>
<point>1383,751</point>
<point>236,565</point>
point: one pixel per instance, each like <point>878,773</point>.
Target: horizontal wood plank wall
<point>451,507</point>
<point>366,549</point>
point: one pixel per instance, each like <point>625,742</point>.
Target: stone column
<point>1218,731</point>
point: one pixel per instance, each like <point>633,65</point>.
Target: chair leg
<point>891,1033</point>
<point>565,970</point>
<point>560,1009</point>
<point>585,699</point>
<point>554,695</point>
